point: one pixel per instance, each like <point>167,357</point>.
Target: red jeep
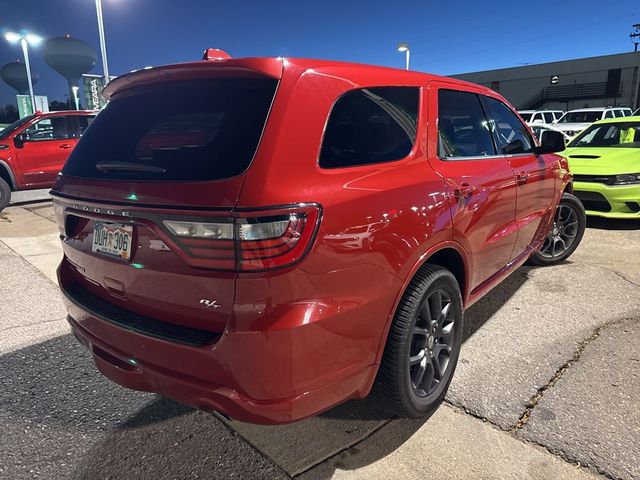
<point>34,149</point>
<point>270,237</point>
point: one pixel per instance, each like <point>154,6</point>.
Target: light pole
<point>403,47</point>
<point>103,45</point>
<point>25,38</point>
<point>75,89</point>
<point>635,39</point>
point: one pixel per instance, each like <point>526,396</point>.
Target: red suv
<point>34,149</point>
<point>270,237</point>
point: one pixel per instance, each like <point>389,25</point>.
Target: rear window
<point>186,131</point>
<point>371,125</point>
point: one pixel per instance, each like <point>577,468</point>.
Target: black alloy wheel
<point>431,344</point>
<point>5,193</point>
<point>565,234</point>
<point>423,345</point>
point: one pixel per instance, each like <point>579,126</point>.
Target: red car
<point>270,237</point>
<point>34,149</point>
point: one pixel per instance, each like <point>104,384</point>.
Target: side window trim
<point>485,157</point>
<point>487,117</point>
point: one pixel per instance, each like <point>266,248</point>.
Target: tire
<point>565,234</point>
<point>397,388</point>
<point>5,194</point>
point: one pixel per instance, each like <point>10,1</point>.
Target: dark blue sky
<point>445,37</point>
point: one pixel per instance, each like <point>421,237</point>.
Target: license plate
<point>113,239</point>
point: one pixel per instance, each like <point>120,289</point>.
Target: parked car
<point>34,149</point>
<point>605,160</point>
<point>540,116</point>
<point>313,238</point>
<point>539,128</point>
<point>574,121</point>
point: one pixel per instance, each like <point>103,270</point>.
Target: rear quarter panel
<point>377,223</point>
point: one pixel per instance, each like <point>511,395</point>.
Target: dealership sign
<point>25,108</point>
<point>93,85</point>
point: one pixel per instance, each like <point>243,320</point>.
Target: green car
<point>605,162</point>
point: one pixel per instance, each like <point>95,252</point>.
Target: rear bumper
<point>267,377</point>
<point>609,201</point>
<point>140,375</point>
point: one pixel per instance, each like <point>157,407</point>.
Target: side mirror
<point>19,140</point>
<point>513,148</point>
<point>538,120</point>
<point>551,142</point>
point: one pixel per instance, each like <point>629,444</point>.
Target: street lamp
<point>103,45</point>
<point>635,39</point>
<point>25,38</point>
<point>75,89</point>
<point>403,47</point>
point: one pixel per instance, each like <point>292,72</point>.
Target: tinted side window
<point>548,117</point>
<point>463,130</point>
<point>82,123</point>
<point>54,128</point>
<point>510,133</point>
<point>371,125</point>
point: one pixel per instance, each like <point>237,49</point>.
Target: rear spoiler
<point>208,68</point>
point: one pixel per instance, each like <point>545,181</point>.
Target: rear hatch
<point>144,202</point>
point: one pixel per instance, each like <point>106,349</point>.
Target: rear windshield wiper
<point>128,167</point>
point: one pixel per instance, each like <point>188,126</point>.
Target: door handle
<point>464,190</point>
<point>521,178</point>
<point>65,146</point>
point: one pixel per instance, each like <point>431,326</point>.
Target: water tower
<point>69,57</point>
<point>15,75</point>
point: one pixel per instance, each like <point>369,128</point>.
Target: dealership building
<point>608,80</point>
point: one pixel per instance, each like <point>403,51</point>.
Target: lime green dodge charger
<point>605,161</point>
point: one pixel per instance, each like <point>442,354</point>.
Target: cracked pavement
<point>547,387</point>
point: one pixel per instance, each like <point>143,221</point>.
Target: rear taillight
<point>246,241</point>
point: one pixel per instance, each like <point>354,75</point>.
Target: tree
<point>55,105</point>
<point>8,113</point>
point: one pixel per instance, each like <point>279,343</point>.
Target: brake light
<point>247,241</point>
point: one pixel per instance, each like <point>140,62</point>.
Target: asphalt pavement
<point>547,387</point>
